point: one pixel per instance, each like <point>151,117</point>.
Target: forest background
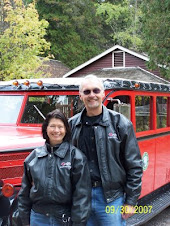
<point>74,31</point>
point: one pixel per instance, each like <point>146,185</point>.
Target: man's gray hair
<point>92,77</point>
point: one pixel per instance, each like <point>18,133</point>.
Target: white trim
<point>124,59</point>
<point>103,54</point>
<point>113,59</point>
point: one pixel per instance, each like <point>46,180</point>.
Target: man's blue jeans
<point>37,219</point>
<point>103,213</point>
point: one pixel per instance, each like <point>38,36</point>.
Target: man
<point>108,140</point>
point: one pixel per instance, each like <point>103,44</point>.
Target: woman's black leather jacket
<point>56,181</point>
<point>118,154</point>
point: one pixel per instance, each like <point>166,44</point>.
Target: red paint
<point>157,147</point>
<point>17,138</point>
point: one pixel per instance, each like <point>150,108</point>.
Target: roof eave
<point>103,54</point>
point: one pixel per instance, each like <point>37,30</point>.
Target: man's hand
<point>128,211</point>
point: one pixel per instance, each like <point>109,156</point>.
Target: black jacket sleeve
<point>24,202</point>
<point>81,197</point>
<point>132,164</point>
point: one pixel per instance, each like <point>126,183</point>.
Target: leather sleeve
<point>132,163</point>
<point>81,183</point>
<point>24,202</point>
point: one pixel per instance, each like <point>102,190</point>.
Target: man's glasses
<point>88,91</point>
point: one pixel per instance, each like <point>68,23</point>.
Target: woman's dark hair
<point>58,115</point>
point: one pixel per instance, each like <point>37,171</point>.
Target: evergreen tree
<point>156,34</point>
<point>75,32</point>
<point>123,22</point>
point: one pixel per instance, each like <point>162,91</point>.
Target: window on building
<point>118,59</point>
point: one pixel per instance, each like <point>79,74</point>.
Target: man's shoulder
<point>75,117</point>
<point>120,118</point>
<point>114,114</point>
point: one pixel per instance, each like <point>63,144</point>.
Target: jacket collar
<point>103,122</point>
<point>60,151</point>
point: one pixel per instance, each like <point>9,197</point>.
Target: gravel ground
<point>162,219</point>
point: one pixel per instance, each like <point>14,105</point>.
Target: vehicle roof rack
<point>73,84</point>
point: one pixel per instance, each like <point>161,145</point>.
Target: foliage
<point>2,15</point>
<point>156,34</point>
<point>79,30</point>
<point>22,42</point>
<point>123,22</point>
<point>75,32</point>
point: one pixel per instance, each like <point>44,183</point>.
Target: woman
<point>56,182</point>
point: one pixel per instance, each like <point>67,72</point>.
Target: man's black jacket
<point>118,153</point>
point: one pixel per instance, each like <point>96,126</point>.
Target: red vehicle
<point>24,105</point>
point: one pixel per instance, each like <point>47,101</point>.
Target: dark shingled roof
<point>131,73</point>
<point>53,69</point>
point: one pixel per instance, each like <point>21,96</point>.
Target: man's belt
<point>96,184</point>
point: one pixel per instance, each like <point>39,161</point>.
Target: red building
<point>116,57</point>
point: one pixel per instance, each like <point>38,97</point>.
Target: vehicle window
<point>37,107</point>
<point>142,108</point>
<point>120,104</point>
<point>161,112</point>
<point>10,107</point>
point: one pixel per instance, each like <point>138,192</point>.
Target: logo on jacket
<point>65,165</point>
<point>112,135</point>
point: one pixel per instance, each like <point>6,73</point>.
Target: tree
<point>156,34</point>
<point>122,19</point>
<point>3,24</point>
<point>75,32</point>
<point>22,42</point>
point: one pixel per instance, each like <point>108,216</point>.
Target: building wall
<point>104,62</point>
<point>133,61</point>
<point>107,62</point>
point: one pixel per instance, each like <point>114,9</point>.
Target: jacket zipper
<point>52,150</point>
